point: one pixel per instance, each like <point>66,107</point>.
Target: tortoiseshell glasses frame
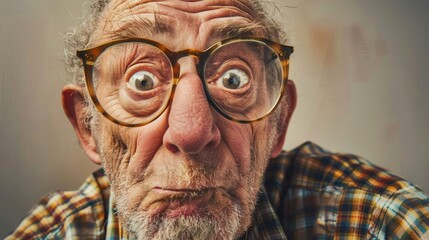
<point>89,57</point>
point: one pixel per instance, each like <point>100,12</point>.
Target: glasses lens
<point>132,82</point>
<point>244,79</point>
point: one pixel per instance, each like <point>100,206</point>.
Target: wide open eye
<point>233,79</point>
<point>143,81</point>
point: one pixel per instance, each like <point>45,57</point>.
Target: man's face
<point>191,172</point>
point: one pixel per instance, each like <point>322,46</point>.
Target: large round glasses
<point>132,81</point>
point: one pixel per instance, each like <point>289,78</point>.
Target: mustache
<point>192,172</point>
<point>197,171</point>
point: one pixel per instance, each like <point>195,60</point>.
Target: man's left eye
<point>233,79</point>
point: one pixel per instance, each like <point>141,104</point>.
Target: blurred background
<point>360,68</point>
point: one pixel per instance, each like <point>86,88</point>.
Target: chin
<point>211,215</point>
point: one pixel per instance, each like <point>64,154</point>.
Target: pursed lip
<point>179,201</point>
<point>158,195</point>
<point>171,193</point>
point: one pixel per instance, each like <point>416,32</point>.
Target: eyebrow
<point>231,30</point>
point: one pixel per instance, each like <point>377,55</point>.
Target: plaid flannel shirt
<point>308,193</point>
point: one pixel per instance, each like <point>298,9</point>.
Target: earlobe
<point>76,110</point>
<point>288,107</point>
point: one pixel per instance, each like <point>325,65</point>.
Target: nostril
<point>171,147</point>
<point>212,145</point>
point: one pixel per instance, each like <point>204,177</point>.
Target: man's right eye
<point>143,81</point>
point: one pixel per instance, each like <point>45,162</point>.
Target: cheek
<point>113,151</point>
<point>249,145</point>
<point>238,139</point>
<point>253,152</point>
<point>145,142</point>
<point>128,151</point>
<point>264,134</point>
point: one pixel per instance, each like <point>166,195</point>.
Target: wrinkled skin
<point>190,164</point>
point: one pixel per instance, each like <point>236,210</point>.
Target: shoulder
<point>79,213</point>
<point>312,167</point>
<point>355,195</point>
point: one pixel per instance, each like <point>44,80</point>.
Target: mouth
<point>174,203</point>
<point>178,191</point>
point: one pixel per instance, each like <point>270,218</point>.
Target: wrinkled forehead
<point>200,22</point>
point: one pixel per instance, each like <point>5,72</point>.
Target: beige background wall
<point>360,68</point>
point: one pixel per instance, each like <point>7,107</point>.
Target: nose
<point>191,126</point>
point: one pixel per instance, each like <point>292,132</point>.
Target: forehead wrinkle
<point>195,6</point>
<point>146,18</point>
<point>239,8</point>
<point>127,19</point>
<point>132,28</point>
<point>126,4</point>
<point>142,26</point>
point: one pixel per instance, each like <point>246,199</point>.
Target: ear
<point>75,108</point>
<point>288,107</point>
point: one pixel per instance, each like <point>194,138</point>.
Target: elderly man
<point>186,104</point>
